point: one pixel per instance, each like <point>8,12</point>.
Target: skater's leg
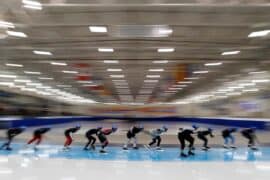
<point>135,142</point>
<point>158,141</point>
<point>127,143</point>
<point>183,145</point>
<point>88,143</point>
<point>190,139</point>
<point>68,141</point>
<point>32,140</point>
<point>153,141</point>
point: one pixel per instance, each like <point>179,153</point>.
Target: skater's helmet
<point>78,126</point>
<point>194,126</point>
<point>114,128</point>
<point>99,127</point>
<point>23,128</point>
<point>165,128</point>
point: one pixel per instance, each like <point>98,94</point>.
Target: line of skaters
<point>185,135</point>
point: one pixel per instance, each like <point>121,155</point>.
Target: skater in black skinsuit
<point>186,135</point>
<point>11,133</point>
<point>68,134</point>
<point>91,139</point>
<point>227,136</point>
<point>103,139</point>
<point>202,135</point>
<point>131,135</point>
<point>249,133</point>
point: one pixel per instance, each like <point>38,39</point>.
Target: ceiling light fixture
<point>200,72</point>
<point>153,76</point>
<point>105,49</point>
<point>5,24</point>
<point>111,61</point>
<point>70,72</point>
<point>98,29</point>
<point>156,70</point>
<point>165,50</point>
<point>230,53</point>
<point>14,65</point>
<point>114,70</point>
<point>160,61</point>
<point>213,64</point>
<point>7,76</point>
<point>58,64</point>
<point>259,33</point>
<point>32,72</point>
<point>42,52</point>
<point>16,34</point>
<point>117,76</point>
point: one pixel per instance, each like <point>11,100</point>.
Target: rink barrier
<point>8,122</point>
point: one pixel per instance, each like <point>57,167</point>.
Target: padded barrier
<point>41,121</point>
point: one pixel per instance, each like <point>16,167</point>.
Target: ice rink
<point>51,162</point>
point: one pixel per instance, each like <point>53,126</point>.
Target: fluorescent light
<point>247,84</point>
<point>32,4</point>
<point>32,7</point>
<point>5,24</point>
<point>153,76</point>
<point>70,72</point>
<point>150,80</point>
<point>28,89</point>
<point>22,80</point>
<point>172,88</point>
<point>45,78</point>
<point>119,80</point>
<point>33,84</point>
<point>63,86</point>
<point>233,94</point>
<point>257,72</point>
<point>230,53</point>
<point>31,72</point>
<point>160,62</point>
<point>42,52</point>
<point>200,72</point>
<point>7,76</point>
<point>156,70</point>
<point>44,87</point>
<point>16,34</point>
<point>250,90</point>
<point>259,33</point>
<point>85,82</point>
<point>122,87</point>
<point>58,63</point>
<point>185,82</point>
<point>6,84</point>
<point>111,61</point>
<point>179,85</point>
<point>89,85</point>
<point>191,78</point>
<point>165,31</point>
<point>114,70</point>
<point>98,29</point>
<point>105,49</point>
<point>164,50</point>
<point>260,80</point>
<point>236,87</point>
<point>14,65</point>
<point>213,64</point>
<point>117,76</point>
